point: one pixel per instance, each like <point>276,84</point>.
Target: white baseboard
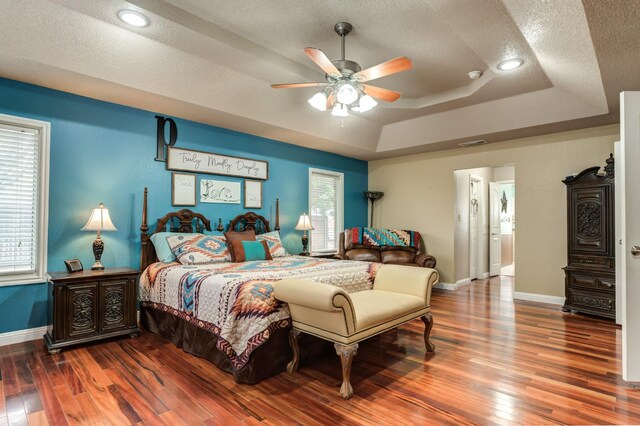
<point>542,298</point>
<point>485,275</point>
<point>20,336</point>
<point>452,287</point>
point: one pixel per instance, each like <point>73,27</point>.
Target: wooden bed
<point>267,360</point>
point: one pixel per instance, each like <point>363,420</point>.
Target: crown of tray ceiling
<point>213,61</point>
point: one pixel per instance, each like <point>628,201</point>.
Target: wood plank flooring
<point>496,362</point>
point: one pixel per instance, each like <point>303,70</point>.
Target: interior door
<point>495,255</point>
<point>474,211</point>
<point>630,149</point>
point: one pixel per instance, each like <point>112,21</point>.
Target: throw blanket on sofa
<point>376,237</point>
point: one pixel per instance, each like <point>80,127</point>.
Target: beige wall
<point>420,194</point>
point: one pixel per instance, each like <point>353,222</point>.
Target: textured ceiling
<point>213,61</point>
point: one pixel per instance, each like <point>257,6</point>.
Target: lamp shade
<point>99,220</point>
<point>319,101</point>
<point>304,224</point>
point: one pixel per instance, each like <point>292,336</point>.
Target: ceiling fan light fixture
<point>133,18</point>
<point>365,104</point>
<point>340,110</point>
<point>319,101</point>
<point>347,94</point>
<point>510,64</point>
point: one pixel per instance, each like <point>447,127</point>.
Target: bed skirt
<point>265,361</point>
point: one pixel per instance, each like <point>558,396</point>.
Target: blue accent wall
<point>103,152</point>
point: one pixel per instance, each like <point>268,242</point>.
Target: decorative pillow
<point>231,236</point>
<point>163,251</point>
<point>275,244</point>
<point>250,250</point>
<point>199,249</point>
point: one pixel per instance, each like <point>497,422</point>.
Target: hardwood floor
<point>496,362</point>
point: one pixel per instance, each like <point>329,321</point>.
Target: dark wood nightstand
<point>91,305</point>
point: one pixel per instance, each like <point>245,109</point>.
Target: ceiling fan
<point>344,89</point>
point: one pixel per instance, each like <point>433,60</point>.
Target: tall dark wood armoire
<point>590,280</point>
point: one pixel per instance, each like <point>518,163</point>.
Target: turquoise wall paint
<point>103,152</point>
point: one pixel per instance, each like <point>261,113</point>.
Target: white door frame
<point>475,248</point>
<point>495,237</point>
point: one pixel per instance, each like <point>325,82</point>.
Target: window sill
<point>22,279</point>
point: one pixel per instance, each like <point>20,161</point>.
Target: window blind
<point>19,168</point>
<point>324,211</point>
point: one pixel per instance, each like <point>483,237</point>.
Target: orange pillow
<point>249,235</point>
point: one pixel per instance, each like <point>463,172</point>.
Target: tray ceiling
<point>213,61</point>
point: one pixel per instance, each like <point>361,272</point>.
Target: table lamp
<point>99,221</point>
<point>304,224</point>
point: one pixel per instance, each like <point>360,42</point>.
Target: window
<point>326,201</point>
<point>24,199</point>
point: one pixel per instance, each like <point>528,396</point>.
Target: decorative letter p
<point>161,155</point>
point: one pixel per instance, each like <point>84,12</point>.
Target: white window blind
<point>325,205</point>
<point>19,199</point>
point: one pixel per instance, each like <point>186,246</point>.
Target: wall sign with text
<point>215,164</point>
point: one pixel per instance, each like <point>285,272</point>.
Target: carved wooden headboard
<point>254,221</point>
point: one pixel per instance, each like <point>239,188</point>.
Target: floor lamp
<point>373,196</point>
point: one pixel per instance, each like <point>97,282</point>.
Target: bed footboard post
<point>144,237</point>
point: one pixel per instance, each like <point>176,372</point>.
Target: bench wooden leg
<point>294,335</point>
<point>428,325</point>
<point>346,353</point>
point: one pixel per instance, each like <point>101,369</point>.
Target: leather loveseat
<point>348,249</point>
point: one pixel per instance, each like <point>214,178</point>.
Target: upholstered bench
<point>400,294</point>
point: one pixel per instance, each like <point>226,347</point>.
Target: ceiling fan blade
<point>393,66</point>
<point>380,93</point>
<point>296,85</point>
<point>330,100</point>
<point>322,61</point>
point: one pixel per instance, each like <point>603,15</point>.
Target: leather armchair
<point>408,256</point>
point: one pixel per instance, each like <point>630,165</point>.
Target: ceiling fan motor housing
<point>347,67</point>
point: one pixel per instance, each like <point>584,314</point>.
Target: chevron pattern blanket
<point>376,237</point>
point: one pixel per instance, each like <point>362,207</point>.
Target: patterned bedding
<point>235,300</point>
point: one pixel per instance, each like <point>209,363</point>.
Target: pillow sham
<point>231,236</point>
<point>250,250</point>
<point>163,251</point>
<point>199,249</point>
<point>274,242</point>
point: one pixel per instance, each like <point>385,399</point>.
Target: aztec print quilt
<point>235,300</point>
<point>376,237</point>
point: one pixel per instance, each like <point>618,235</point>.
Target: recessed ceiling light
<point>133,18</point>
<point>510,64</point>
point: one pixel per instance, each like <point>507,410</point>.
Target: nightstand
<point>91,305</point>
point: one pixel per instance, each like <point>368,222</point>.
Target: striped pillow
<point>275,244</point>
<point>199,249</point>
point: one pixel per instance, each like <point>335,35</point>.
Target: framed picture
<point>183,189</point>
<point>252,194</point>
<point>219,191</point>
